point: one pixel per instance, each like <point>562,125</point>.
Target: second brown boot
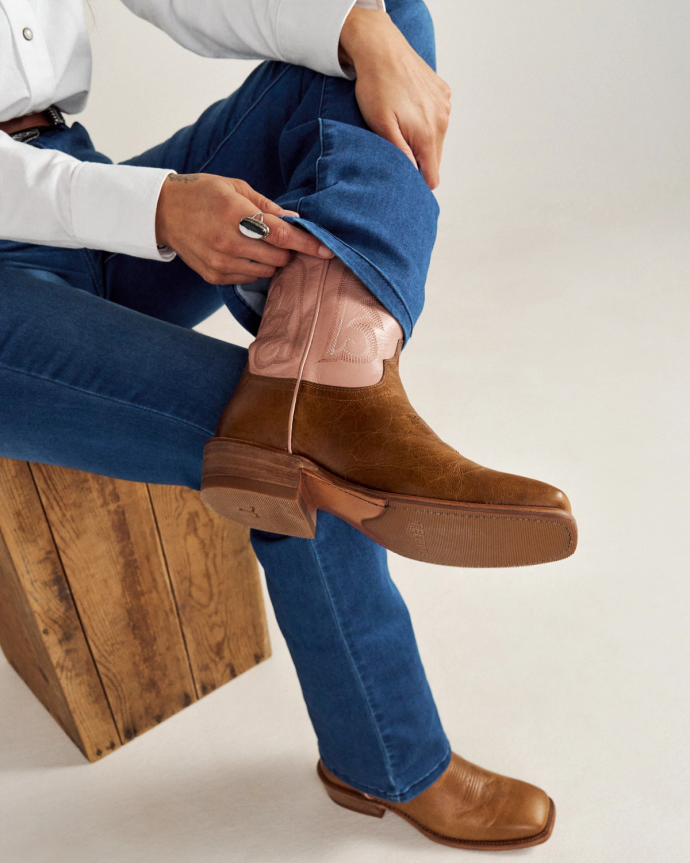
<point>320,420</point>
<point>467,807</point>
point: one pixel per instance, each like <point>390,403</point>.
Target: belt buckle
<point>26,136</point>
<point>54,115</point>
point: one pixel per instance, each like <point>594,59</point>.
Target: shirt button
<point>28,34</point>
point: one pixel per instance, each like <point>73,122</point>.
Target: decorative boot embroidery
<point>279,337</point>
<point>352,338</point>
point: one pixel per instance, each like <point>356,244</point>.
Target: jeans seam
<point>242,119</point>
<point>104,397</point>
<point>374,267</point>
<point>350,657</point>
<point>318,161</point>
<point>403,791</point>
<point>98,283</point>
<point>317,179</point>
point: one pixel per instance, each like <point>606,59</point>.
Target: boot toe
<point>512,490</point>
<point>550,496</point>
<point>528,812</point>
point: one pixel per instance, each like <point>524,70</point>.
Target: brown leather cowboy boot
<point>467,807</point>
<point>320,420</point>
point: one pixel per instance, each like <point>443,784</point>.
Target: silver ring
<point>254,227</point>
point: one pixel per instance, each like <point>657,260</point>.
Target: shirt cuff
<point>309,32</point>
<point>114,209</point>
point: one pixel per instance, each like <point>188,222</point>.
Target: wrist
<point>362,31</point>
<point>162,208</point>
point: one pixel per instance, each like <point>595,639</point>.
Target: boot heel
<point>355,803</point>
<point>348,798</point>
<point>257,487</point>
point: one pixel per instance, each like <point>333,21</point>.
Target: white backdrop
<point>555,344</point>
<point>573,104</point>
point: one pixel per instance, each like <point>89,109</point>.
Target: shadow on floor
<point>255,811</point>
<point>29,736</point>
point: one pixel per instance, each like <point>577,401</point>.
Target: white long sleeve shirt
<point>50,198</point>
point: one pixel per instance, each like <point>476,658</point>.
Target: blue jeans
<point>100,370</point>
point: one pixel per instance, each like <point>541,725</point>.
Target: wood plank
<point>106,535</point>
<point>216,584</point>
<point>40,631</point>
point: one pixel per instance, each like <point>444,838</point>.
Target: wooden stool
<point>120,602</point>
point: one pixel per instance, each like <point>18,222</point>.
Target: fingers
<point>254,269</point>
<point>429,163</point>
<point>282,235</point>
<point>395,136</point>
<point>287,236</point>
<point>239,272</point>
<point>219,269</point>
<point>231,279</point>
<point>426,135</point>
<point>426,140</point>
<point>203,222</point>
<point>421,144</point>
<point>262,203</point>
<point>405,102</point>
<point>261,251</point>
<point>281,240</point>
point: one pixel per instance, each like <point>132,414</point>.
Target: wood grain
<point>107,538</point>
<point>216,584</point>
<point>40,631</point>
<point>120,604</point>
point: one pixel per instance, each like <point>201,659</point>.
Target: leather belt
<point>29,127</point>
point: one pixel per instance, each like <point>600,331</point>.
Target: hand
<point>198,216</point>
<point>400,96</point>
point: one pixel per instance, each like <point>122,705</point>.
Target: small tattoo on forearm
<point>183,178</point>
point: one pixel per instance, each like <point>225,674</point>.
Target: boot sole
<point>281,493</point>
<point>365,805</point>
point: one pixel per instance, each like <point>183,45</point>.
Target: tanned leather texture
<point>28,121</point>
<point>321,421</point>
<point>469,804</point>
<point>372,436</point>
<point>258,411</point>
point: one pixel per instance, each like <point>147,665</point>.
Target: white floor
<point>554,344</point>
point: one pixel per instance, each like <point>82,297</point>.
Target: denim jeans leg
<point>344,620</point>
<point>359,193</point>
<point>299,138</point>
<point>88,384</point>
<point>102,387</point>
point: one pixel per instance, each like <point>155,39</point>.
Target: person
<point>312,180</point>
